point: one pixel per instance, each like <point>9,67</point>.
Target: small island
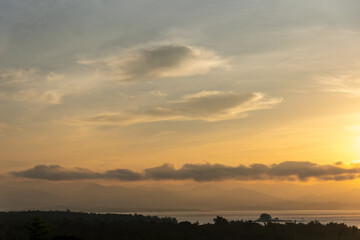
<point>266,218</point>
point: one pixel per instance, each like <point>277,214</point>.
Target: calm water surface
<point>349,217</point>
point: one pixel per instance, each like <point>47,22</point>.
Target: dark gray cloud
<point>289,171</point>
<point>305,170</point>
<point>56,173</point>
<point>151,62</point>
<point>122,174</point>
<point>285,171</point>
<point>156,61</point>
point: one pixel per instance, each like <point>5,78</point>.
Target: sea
<point>348,217</point>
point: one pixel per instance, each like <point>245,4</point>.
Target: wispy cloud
<point>205,105</point>
<point>157,61</point>
<point>29,85</point>
<point>53,77</point>
<point>17,75</point>
<point>345,83</point>
<point>47,97</point>
<point>285,171</point>
<point>158,93</point>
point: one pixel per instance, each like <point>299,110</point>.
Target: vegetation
<point>58,225</point>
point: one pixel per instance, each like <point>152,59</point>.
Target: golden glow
<point>357,161</point>
<point>191,90</point>
<point>357,147</point>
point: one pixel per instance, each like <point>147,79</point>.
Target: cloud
<point>290,171</point>
<point>28,85</point>
<point>213,105</point>
<point>345,83</point>
<point>158,93</point>
<point>48,97</point>
<point>17,75</point>
<point>206,105</point>
<point>285,171</point>
<point>56,172</point>
<point>122,174</point>
<point>53,77</point>
<point>157,61</point>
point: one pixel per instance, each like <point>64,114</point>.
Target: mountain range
<point>101,198</point>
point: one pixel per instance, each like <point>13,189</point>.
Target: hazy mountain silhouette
<point>95,197</point>
<point>20,198</point>
<point>214,197</point>
<point>123,197</point>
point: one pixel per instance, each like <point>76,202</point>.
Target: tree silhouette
<point>220,221</point>
<point>29,225</point>
<point>264,217</point>
<point>65,237</point>
<point>38,230</point>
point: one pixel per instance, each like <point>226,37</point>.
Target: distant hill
<point>95,197</point>
<point>23,198</point>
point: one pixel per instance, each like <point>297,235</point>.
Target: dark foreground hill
<point>59,225</point>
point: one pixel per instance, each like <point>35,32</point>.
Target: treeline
<point>60,225</point>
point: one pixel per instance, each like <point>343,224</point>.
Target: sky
<point>180,90</point>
